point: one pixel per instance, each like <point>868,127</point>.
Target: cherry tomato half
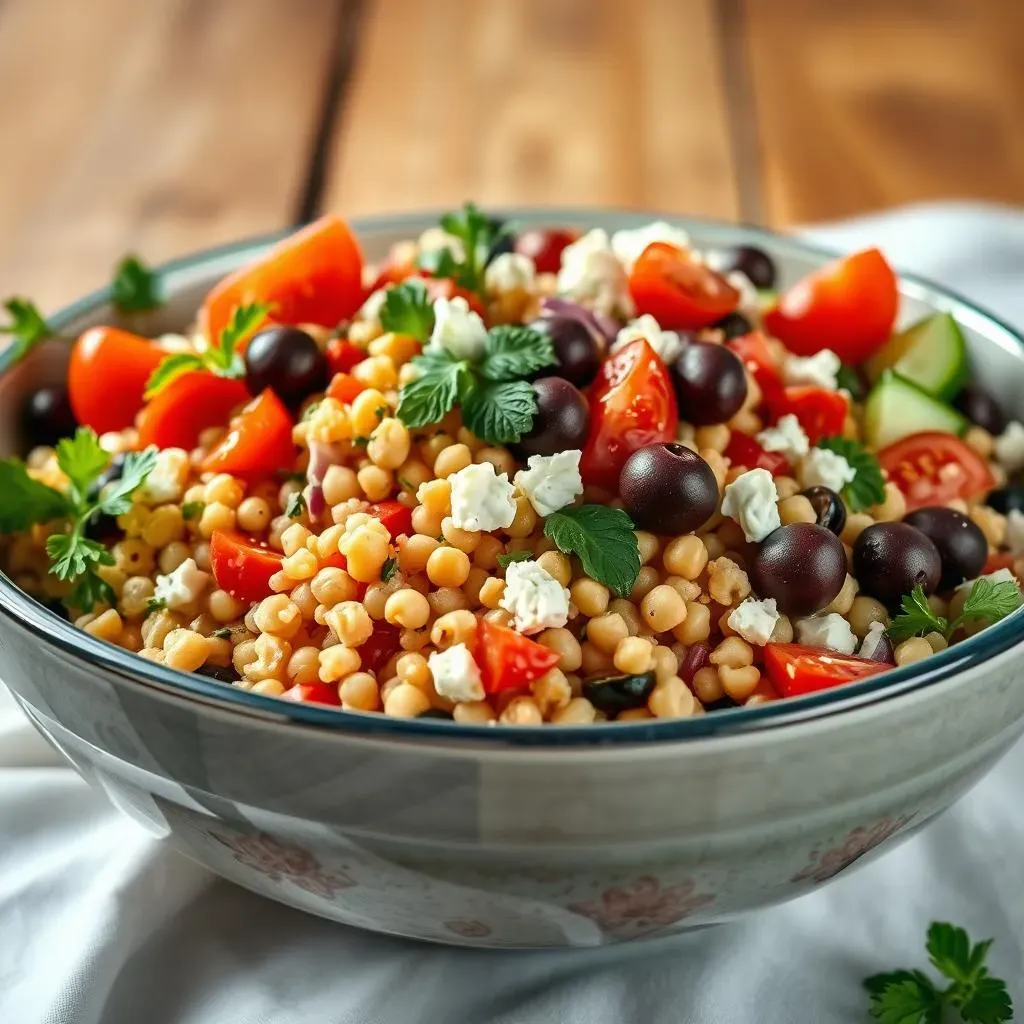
<point>258,443</point>
<point>344,387</point>
<point>311,277</point>
<point>848,306</point>
<point>241,566</point>
<point>107,377</point>
<point>313,693</point>
<point>545,247</point>
<point>632,404</point>
<point>757,357</point>
<point>743,450</point>
<point>795,670</point>
<point>395,517</point>
<point>933,468</point>
<point>342,355</point>
<point>679,293</point>
<point>507,659</point>
<point>186,407</point>
<point>821,413</point>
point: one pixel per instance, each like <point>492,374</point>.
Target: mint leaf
<point>506,559</point>
<point>603,540</point>
<point>82,459</point>
<point>868,487</point>
<point>407,309</point>
<point>27,328</point>
<point>25,500</point>
<point>916,617</point>
<point>173,367</point>
<point>136,288</point>
<point>499,413</point>
<point>513,352</point>
<point>433,394</point>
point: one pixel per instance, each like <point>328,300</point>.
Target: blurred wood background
<point>168,125</point>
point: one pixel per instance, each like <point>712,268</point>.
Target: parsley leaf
<point>171,369</point>
<point>991,600</point>
<point>435,391</point>
<point>89,590</point>
<point>136,288</point>
<point>73,554</point>
<point>27,328</point>
<point>81,459</point>
<point>407,309</point>
<point>477,234</point>
<point>499,412</point>
<point>295,506</point>
<point>155,604</point>
<point>916,617</point>
<point>603,540</point>
<point>506,559</point>
<point>26,500</point>
<point>513,352</point>
<point>192,509</point>
<point>116,498</point>
<point>907,1002</point>
<point>868,487</point>
<point>388,569</point>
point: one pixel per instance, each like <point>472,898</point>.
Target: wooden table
<point>167,125</point>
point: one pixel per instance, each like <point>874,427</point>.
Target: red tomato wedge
<point>313,693</point>
<point>312,277</point>
<point>384,643</point>
<point>679,293</point>
<point>446,288</point>
<point>632,404</point>
<point>507,659</point>
<point>241,566</point>
<point>821,413</point>
<point>848,306</point>
<point>795,670</point>
<point>186,407</point>
<point>344,387</point>
<point>743,450</point>
<point>258,443</point>
<point>394,516</point>
<point>933,468</point>
<point>757,357</point>
<point>545,247</point>
<point>342,355</point>
<point>107,377</point>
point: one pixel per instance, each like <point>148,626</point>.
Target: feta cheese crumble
<point>534,598</point>
<point>167,480</point>
<point>750,301</point>
<point>999,576</point>
<point>510,272</point>
<point>592,275</point>
<point>751,499</point>
<point>867,646</point>
<point>1015,532</point>
<point>458,329</point>
<point>818,371</point>
<point>481,498</point>
<point>183,586</point>
<point>831,631</point>
<point>456,674</point>
<point>755,620</point>
<point>787,438</point>
<point>1009,447</point>
<point>821,467</point>
<point>667,344</point>
<point>552,481</point>
<point>370,309</point>
<point>629,243</point>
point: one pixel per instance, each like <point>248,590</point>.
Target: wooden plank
<point>879,102</point>
<point>536,101</point>
<point>161,126</point>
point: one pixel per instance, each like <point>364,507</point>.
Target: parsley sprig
<point>911,997</point>
<point>478,234</point>
<point>27,326</point>
<point>603,540</point>
<point>988,601</point>
<point>135,288</point>
<point>222,359</point>
<point>868,487</point>
<point>407,309</point>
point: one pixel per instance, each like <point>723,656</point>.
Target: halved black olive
<point>222,673</point>
<point>619,693</point>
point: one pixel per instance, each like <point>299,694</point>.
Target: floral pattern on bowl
<point>858,842</point>
<point>644,906</point>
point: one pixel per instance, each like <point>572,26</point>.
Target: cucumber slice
<point>766,298</point>
<point>897,407</point>
<point>930,353</point>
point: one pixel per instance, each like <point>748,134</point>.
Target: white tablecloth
<point>98,922</point>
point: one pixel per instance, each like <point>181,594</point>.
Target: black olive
<point>890,559</point>
<point>506,243</point>
<point>222,673</point>
<point>801,565</point>
<point>734,325</point>
<point>1006,500</point>
<point>981,408</point>
<point>962,546</point>
<point>104,527</point>
<point>619,693</point>
<point>828,507</point>
<point>579,353</point>
<point>667,488</point>
<point>436,713</point>
<point>46,416</point>
<point>755,263</point>
<point>287,360</point>
<point>562,419</point>
<point>710,383</point>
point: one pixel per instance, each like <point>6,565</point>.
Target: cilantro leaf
<point>26,500</point>
<point>115,500</point>
<point>603,540</point>
<point>990,600</point>
<point>72,554</point>
<point>136,288</point>
<point>171,369</point>
<point>27,328</point>
<point>388,569</point>
<point>916,617</point>
<point>431,395</point>
<point>907,1002</point>
<point>82,459</point>
<point>514,352</point>
<point>499,412</point>
<point>295,506</point>
<point>506,559</point>
<point>407,309</point>
<point>868,487</point>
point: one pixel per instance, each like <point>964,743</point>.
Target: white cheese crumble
<point>750,301</point>
<point>458,329</point>
<point>831,631</point>
<point>755,620</point>
<point>510,272</point>
<point>183,586</point>
<point>751,499</point>
<point>481,498</point>
<point>456,674</point>
<point>629,243</point>
<point>167,480</point>
<point>871,638</point>
<point>818,371</point>
<point>592,275</point>
<point>1009,447</point>
<point>551,481</point>
<point>825,468</point>
<point>667,344</point>
<point>1015,532</point>
<point>370,309</point>
<point>787,438</point>
<point>534,598</point>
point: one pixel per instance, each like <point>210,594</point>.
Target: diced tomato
<point>258,443</point>
<point>344,387</point>
<point>446,288</point>
<point>241,566</point>
<point>107,377</point>
<point>757,357</point>
<point>545,247</point>
<point>678,292</point>
<point>313,693</point>
<point>632,404</point>
<point>176,416</point>
<point>383,645</point>
<point>821,413</point>
<point>507,659</point>
<point>311,277</point>
<point>394,515</point>
<point>795,670</point>
<point>342,355</point>
<point>933,468</point>
<point>397,267</point>
<point>999,560</point>
<point>848,306</point>
<point>743,450</point>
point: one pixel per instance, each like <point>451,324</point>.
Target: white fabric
<point>100,923</point>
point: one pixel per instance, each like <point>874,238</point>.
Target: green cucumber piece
<point>897,407</point>
<point>766,298</point>
<point>931,353</point>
